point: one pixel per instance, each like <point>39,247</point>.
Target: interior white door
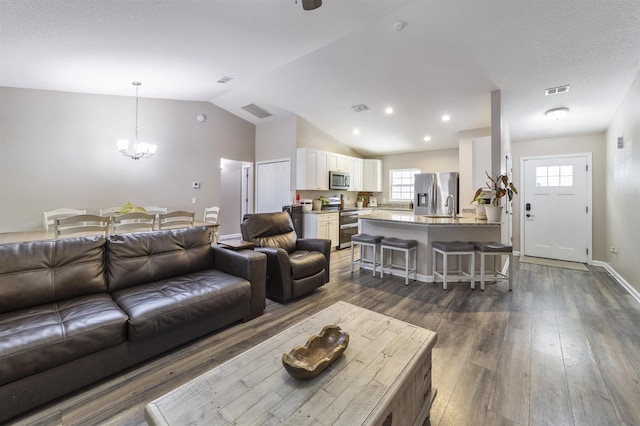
<point>555,208</point>
<point>273,185</point>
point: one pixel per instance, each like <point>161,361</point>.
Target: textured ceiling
<point>317,64</point>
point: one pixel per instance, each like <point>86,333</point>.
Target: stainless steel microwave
<point>339,180</point>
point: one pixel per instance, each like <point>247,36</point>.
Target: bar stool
<point>366,240</point>
<point>497,250</point>
<point>405,246</point>
<point>453,248</point>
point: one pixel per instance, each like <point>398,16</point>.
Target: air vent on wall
<point>556,90</point>
<point>224,80</point>
<point>360,108</point>
<point>257,111</point>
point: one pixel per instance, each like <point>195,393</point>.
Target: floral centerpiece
<point>130,208</point>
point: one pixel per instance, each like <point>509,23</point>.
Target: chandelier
<point>140,150</point>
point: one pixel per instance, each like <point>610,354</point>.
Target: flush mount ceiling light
<point>557,113</point>
<point>427,138</point>
<point>356,131</point>
<point>388,110</point>
<point>446,117</point>
<point>140,150</point>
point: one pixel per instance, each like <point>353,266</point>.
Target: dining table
<point>43,235</point>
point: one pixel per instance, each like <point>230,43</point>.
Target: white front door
<point>555,206</point>
<point>273,185</point>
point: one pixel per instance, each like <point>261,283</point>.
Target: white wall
<point>465,159</point>
<point>622,198</point>
<point>230,196</point>
<point>594,143</point>
<point>443,160</point>
<point>58,149</point>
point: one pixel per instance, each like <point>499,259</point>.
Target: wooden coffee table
<point>384,375</point>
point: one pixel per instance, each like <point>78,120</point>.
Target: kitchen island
<point>425,230</point>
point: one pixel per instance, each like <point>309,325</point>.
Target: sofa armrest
<point>278,273</point>
<point>250,265</point>
<point>317,244</point>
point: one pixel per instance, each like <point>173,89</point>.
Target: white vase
<point>317,204</point>
<point>359,204</point>
<point>494,213</point>
<point>480,212</point>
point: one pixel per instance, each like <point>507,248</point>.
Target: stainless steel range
<point>348,223</point>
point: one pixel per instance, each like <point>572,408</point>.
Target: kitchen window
<point>401,184</point>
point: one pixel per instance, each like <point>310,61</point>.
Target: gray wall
<point>622,197</point>
<point>58,149</point>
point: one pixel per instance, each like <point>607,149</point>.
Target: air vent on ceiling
<point>224,80</point>
<point>360,108</point>
<point>257,111</point>
<point>556,90</point>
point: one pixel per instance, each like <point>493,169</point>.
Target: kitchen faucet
<point>452,206</point>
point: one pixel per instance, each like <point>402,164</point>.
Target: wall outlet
<point>193,200</point>
<point>195,185</point>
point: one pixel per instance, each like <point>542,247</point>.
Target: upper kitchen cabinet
<point>312,169</point>
<point>372,175</point>
<point>338,162</point>
<point>355,169</point>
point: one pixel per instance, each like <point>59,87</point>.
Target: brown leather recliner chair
<point>295,266</point>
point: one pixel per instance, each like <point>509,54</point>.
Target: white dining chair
<point>52,215</point>
<point>133,222</point>
<point>110,211</point>
<point>212,215</point>
<point>176,219</point>
<point>84,224</point>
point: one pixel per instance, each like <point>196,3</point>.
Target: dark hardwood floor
<point>562,349</point>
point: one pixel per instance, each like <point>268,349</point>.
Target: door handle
<point>530,215</point>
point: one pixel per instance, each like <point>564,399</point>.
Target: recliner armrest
<point>316,244</point>
<point>278,271</point>
<point>250,265</point>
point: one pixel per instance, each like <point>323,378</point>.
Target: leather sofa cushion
<point>167,304</point>
<point>39,338</point>
<point>306,263</point>
<point>43,272</point>
<point>141,258</point>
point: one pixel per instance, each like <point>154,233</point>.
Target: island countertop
<point>410,218</point>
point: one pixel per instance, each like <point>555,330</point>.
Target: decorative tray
<point>306,362</point>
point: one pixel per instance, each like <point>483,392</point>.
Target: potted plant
<point>497,187</point>
<point>480,204</point>
<point>319,201</point>
<point>360,202</point>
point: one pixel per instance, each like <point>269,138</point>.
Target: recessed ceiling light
<point>446,117</point>
<point>557,113</point>
<point>356,131</point>
<point>427,138</point>
<point>388,110</point>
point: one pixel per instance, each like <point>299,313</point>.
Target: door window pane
<point>554,176</point>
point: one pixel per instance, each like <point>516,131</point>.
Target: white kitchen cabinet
<point>372,175</point>
<point>337,162</point>
<point>355,169</point>
<point>322,225</point>
<point>312,169</point>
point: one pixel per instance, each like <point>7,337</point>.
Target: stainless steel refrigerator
<point>431,192</point>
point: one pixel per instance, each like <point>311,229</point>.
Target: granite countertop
<point>410,218</point>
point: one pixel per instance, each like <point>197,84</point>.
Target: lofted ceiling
<point>423,58</point>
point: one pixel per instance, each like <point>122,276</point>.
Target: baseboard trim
<point>630,289</point>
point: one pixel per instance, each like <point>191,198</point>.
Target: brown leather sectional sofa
<point>77,310</point>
